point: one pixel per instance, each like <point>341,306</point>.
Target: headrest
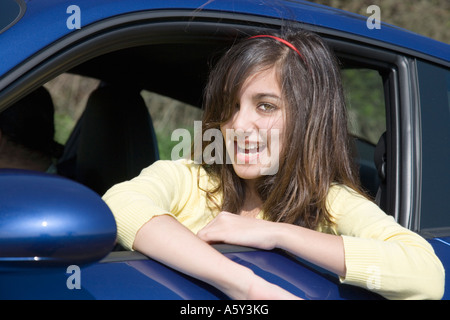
<point>30,122</point>
<point>380,157</point>
<point>117,138</point>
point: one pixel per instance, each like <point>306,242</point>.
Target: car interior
<point>114,138</point>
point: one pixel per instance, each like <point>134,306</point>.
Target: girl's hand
<point>239,230</point>
<point>260,289</point>
<point>251,232</point>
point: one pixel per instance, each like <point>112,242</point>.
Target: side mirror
<point>50,221</point>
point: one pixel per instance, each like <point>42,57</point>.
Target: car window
<point>168,115</point>
<point>69,93</point>
<point>365,102</point>
<point>363,90</point>
<point>434,87</point>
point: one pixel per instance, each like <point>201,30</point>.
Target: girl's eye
<point>266,107</point>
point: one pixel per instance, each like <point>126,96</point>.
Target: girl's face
<point>253,134</point>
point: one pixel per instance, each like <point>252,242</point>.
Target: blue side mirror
<point>50,221</point>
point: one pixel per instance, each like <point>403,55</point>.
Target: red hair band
<point>290,45</point>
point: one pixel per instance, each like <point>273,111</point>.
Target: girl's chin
<point>248,171</point>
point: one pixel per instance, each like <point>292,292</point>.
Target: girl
<point>279,104</point>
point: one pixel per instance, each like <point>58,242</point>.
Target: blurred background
<point>430,18</point>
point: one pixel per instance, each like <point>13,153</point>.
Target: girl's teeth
<point>250,147</point>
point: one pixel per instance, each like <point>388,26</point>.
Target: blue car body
<point>24,274</point>
<point>48,20</point>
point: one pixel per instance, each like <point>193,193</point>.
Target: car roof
<point>44,22</point>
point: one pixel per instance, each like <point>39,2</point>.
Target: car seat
<point>380,159</point>
<point>113,141</point>
<point>364,157</point>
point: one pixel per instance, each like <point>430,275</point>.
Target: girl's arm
<point>166,240</point>
<point>324,250</point>
<point>372,251</point>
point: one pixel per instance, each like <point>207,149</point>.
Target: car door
<point>169,54</point>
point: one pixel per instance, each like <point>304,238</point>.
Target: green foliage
<point>365,103</point>
<point>166,145</point>
<point>168,115</point>
<point>430,18</point>
<point>63,127</point>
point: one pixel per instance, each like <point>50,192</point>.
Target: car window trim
<point>402,126</point>
<point>126,255</point>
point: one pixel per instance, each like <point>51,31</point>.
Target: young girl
<point>278,101</point>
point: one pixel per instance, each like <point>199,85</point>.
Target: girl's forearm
<point>319,248</point>
<point>166,240</point>
<point>324,250</point>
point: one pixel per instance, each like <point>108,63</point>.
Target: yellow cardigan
<point>380,255</point>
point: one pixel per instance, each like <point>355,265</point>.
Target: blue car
<point>57,236</point>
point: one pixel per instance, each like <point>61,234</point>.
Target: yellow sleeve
<point>381,255</point>
<point>159,189</point>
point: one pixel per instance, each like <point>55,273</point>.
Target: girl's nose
<point>244,120</point>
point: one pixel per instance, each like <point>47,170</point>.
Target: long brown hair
<point>317,145</point>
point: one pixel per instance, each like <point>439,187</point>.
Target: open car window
<point>169,115</point>
<point>170,76</point>
<point>365,102</point>
<point>363,89</point>
<point>69,93</point>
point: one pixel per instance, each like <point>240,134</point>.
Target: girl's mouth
<point>248,152</point>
